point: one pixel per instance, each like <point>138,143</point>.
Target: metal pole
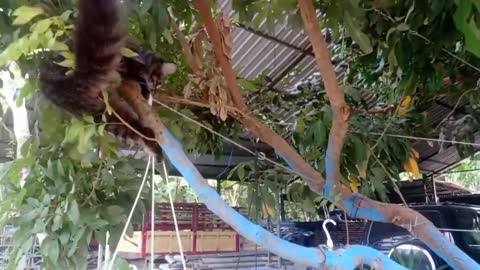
<point>219,186</point>
<point>99,256</point>
<point>107,252</point>
<point>434,189</point>
<point>278,203</point>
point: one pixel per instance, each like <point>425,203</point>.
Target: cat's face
<point>156,70</point>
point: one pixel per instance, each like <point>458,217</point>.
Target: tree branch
<point>313,257</point>
<point>282,148</point>
<point>356,204</point>
<point>340,109</point>
<point>186,49</point>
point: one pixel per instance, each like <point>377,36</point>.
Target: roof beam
<point>456,110</point>
<point>291,66</point>
<point>307,51</point>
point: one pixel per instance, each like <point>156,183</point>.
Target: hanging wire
<point>259,155</point>
<point>428,41</point>
<point>420,138</point>
<point>459,171</point>
<point>124,231</point>
<point>326,213</point>
<point>177,231</point>
<point>152,219</point>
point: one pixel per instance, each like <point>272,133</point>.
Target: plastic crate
<point>209,241</point>
<point>166,242</point>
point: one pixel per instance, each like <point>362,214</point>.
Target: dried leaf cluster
<point>207,80</point>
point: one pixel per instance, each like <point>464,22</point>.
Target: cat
<point>100,35</point>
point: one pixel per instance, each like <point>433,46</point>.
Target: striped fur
<point>99,36</point>
<point>98,39</point>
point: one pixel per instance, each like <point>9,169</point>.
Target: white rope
<point>177,231</point>
<point>152,219</point>
<point>114,256</point>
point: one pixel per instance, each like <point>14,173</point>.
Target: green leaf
<point>85,139</point>
<point>361,156</point>
<point>69,63</point>
<point>24,14</point>
<point>128,53</point>
<point>64,237</point>
<point>377,179</point>
<point>94,223</point>
<point>50,248</point>
<point>360,38</point>
<point>327,114</point>
<point>160,14</point>
<point>300,125</point>
<point>73,212</point>
<point>81,255</point>
<point>59,46</point>
<point>467,25</point>
<point>89,118</point>
<point>403,27</point>
<point>309,206</point>
<point>114,214</point>
<point>121,264</point>
<point>15,169</point>
<point>57,222</point>
<point>241,172</point>
<point>76,237</point>
<point>320,133</point>
<point>41,26</point>
<point>27,91</point>
<point>168,36</point>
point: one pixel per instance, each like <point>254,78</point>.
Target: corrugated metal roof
<point>285,56</point>
<point>262,50</point>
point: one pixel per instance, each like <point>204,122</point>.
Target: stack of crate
<point>200,232</point>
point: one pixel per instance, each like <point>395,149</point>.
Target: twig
<point>373,111</point>
<point>127,124</point>
<point>454,108</point>
<point>387,126</point>
<point>395,186</point>
<point>346,227</point>
<point>186,49</point>
<point>186,101</point>
<point>95,183</point>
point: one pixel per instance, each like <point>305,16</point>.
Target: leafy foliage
<point>406,54</point>
<point>465,174</point>
<point>71,193</point>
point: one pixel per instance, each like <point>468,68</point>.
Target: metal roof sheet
<point>285,56</point>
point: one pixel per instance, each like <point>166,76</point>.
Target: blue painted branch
<point>348,258</point>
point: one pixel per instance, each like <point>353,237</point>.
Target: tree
<point>61,199</point>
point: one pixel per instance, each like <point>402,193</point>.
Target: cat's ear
<point>168,68</point>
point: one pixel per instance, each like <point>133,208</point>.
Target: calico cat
<point>99,37</point>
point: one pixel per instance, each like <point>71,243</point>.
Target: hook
<point>329,239</point>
